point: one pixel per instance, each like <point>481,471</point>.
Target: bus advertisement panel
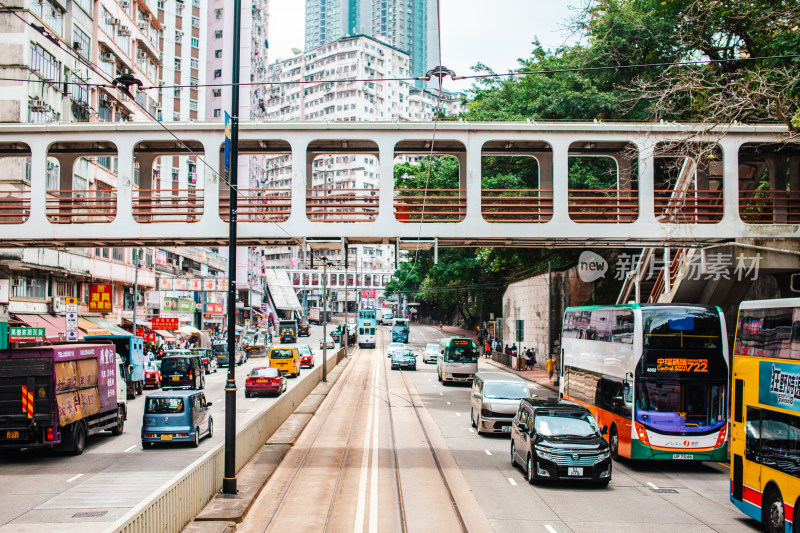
<point>656,375</point>
<point>765,418</point>
<point>366,328</point>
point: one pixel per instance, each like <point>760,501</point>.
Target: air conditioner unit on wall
<point>57,305</point>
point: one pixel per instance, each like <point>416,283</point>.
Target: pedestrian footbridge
<point>104,184</point>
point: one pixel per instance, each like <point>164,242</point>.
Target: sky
<point>495,33</point>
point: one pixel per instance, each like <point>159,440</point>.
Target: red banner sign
<point>368,293</point>
<point>101,297</point>
<point>165,324</point>
<point>214,308</point>
<point>148,336</point>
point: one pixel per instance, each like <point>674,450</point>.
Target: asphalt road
<point>48,490</point>
<point>646,497</point>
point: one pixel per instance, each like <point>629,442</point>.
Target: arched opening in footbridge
<point>769,183</point>
<point>430,182</point>
<point>15,183</point>
<point>603,182</point>
<point>517,181</point>
<point>264,191</point>
<point>167,181</point>
<point>688,183</point>
<point>342,179</point>
<point>81,182</point>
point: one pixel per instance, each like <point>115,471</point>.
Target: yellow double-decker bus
<point>765,422</point>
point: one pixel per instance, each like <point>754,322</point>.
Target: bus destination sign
<point>679,364</point>
<point>461,342</point>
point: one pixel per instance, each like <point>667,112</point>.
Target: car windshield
<point>281,354</point>
<point>158,406</point>
<point>220,348</point>
<point>432,348</point>
<point>175,364</point>
<point>681,406</point>
<point>461,354</point>
<point>151,365</point>
<point>667,328</point>
<point>304,349</point>
<point>403,353</point>
<point>265,372</point>
<point>565,424</point>
<point>505,391</point>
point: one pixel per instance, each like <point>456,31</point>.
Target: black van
<point>182,371</point>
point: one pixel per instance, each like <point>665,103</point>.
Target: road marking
<point>441,394</point>
<point>131,448</point>
<point>488,452</point>
<point>73,478</point>
<point>458,414</point>
<point>471,430</point>
<point>511,480</point>
<point>373,484</point>
<point>652,485</point>
<point>550,528</point>
<point>221,399</point>
<point>253,399</point>
<point>362,482</point>
<point>448,403</point>
<point>726,465</point>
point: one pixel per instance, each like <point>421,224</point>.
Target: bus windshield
<point>461,354</point>
<point>681,406</point>
<point>675,328</point>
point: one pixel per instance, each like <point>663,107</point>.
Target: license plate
<point>574,471</point>
<point>505,429</point>
<point>12,434</point>
<point>166,437</point>
<point>176,378</point>
<point>682,456</point>
<point>262,381</point>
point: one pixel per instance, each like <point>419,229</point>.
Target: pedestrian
<point>551,366</point>
<point>514,349</point>
<point>488,352</point>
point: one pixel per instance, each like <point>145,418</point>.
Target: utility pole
<point>324,322</point>
<point>229,475</point>
<point>135,286</point>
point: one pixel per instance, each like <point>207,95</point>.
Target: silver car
<point>495,400</point>
<point>431,353</point>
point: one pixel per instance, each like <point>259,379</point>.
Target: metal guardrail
<point>179,501</point>
<point>502,358</point>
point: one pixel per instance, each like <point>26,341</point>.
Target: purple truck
<point>60,394</point>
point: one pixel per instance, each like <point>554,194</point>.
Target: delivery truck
<point>60,394</point>
<point>384,317</point>
<point>131,350</point>
<point>287,329</point>
<point>400,330</point>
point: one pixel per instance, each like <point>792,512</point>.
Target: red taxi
<point>152,374</point>
<point>264,380</point>
<point>307,359</point>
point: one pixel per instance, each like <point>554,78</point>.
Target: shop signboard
<point>26,335</point>
<point>165,324</point>
<point>101,297</point>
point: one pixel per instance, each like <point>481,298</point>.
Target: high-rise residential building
<point>410,25</point>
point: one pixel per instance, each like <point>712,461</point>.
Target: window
<point>43,63</point>
<point>177,64</point>
<point>217,73</point>
<point>218,34</point>
<point>86,5</point>
<point>81,42</point>
<point>217,113</point>
<point>194,63</point>
<point>218,54</point>
<point>218,14</point>
<point>192,105</point>
<point>193,81</point>
<point>79,93</point>
<point>195,22</point>
<point>216,93</point>
<point>118,254</point>
<point>195,42</point>
<point>34,288</point>
<point>50,13</point>
<point>178,36</point>
<point>176,92</point>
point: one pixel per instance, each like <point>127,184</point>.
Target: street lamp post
<point>324,319</point>
<point>229,475</point>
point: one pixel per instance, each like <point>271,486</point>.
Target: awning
<point>52,329</point>
<point>257,311</point>
<point>281,291</point>
<point>113,329</point>
<point>90,328</point>
<point>166,335</point>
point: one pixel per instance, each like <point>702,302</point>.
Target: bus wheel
<point>774,518</point>
<point>613,442</point>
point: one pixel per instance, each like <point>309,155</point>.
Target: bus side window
<point>753,434</point>
<point>738,401</point>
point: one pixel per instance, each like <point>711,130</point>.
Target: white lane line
<point>448,403</point>
<point>373,484</point>
<point>73,478</point>
<point>550,528</point>
<point>253,399</point>
<point>488,452</point>
<point>471,430</point>
<point>652,485</point>
<point>131,448</point>
<point>511,480</point>
<point>458,414</point>
<point>441,394</point>
<point>221,399</point>
<point>362,482</point>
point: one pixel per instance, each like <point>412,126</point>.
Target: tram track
<point>431,448</point>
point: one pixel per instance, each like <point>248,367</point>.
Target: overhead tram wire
<point>122,84</point>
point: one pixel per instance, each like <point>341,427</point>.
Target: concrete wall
<point>530,300</point>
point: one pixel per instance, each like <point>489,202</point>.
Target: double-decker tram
<point>765,418</point>
<point>366,328</point>
<point>458,360</point>
<point>655,374</point>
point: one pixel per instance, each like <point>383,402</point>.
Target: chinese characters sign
<point>165,324</point>
<point>26,335</point>
<point>679,364</point>
<point>779,385</point>
<point>101,297</point>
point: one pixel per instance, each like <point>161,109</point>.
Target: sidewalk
<point>537,375</point>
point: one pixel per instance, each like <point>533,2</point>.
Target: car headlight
<point>603,456</point>
<point>544,453</point>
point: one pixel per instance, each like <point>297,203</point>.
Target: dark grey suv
<point>559,440</point>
